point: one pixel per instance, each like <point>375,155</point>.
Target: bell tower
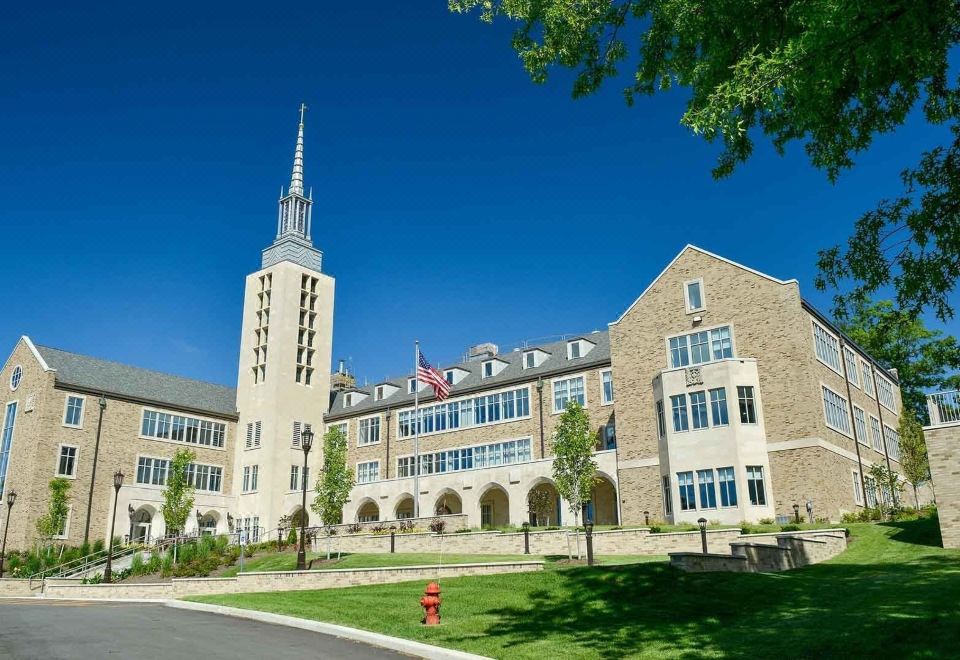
<point>283,384</point>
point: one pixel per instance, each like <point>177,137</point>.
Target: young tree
<point>829,74</point>
<point>913,453</point>
<point>540,503</point>
<point>178,493</point>
<point>890,486</point>
<point>923,357</point>
<point>53,522</point>
<point>334,485</point>
<point>574,470</point>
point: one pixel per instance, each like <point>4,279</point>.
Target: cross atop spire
<point>296,180</point>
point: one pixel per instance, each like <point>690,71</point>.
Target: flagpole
<point>416,431</point>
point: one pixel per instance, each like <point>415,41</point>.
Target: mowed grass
<point>287,561</point>
<point>893,593</point>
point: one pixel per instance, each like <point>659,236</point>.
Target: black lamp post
<point>199,521</point>
<point>11,499</point>
<point>93,473</point>
<point>646,518</point>
<point>306,441</point>
<point>703,533</point>
<point>117,483</point>
<point>796,513</point>
<point>588,527</point>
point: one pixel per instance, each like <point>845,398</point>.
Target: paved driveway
<point>50,629</point>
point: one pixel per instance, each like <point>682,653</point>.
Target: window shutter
<point>256,435</point>
<point>249,442</point>
<point>296,434</point>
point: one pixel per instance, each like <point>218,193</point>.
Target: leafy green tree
<point>827,73</point>
<point>178,493</point>
<point>913,453</point>
<point>574,470</point>
<point>58,508</point>
<point>334,485</point>
<point>890,484</point>
<point>923,357</point>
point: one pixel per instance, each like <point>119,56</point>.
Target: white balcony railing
<point>944,408</point>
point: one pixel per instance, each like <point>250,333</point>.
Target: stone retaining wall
<point>278,581</point>
<point>792,550</point>
<point>12,587</point>
<point>454,521</point>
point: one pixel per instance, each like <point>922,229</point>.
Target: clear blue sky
<point>142,149</point>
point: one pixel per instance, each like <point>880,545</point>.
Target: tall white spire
<point>296,180</point>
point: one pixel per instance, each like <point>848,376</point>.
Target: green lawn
<point>287,561</point>
<point>894,593</point>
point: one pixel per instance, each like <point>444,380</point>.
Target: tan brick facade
<point>943,448</point>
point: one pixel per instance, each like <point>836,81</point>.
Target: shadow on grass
<point>923,531</point>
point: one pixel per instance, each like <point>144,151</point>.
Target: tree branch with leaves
<point>574,470</point>
<point>178,494</point>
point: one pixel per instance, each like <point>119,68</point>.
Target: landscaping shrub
<point>379,528</point>
<point>355,528</point>
<point>789,528</point>
<point>292,536</point>
<point>166,564</point>
<point>155,563</point>
<point>462,530</point>
<point>405,526</point>
<point>655,529</point>
<point>766,521</point>
<point>137,565</point>
<point>437,525</point>
<point>84,549</point>
<point>98,545</point>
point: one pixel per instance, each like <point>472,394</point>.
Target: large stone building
<point>718,393</point>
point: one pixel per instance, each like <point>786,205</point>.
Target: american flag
<point>433,377</point>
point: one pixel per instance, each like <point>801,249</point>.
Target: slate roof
<point>556,364</point>
<point>96,375</point>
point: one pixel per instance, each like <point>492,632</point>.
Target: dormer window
<point>573,350</point>
<point>348,399</point>
<point>488,369</point>
<point>693,295</point>
<point>379,393</point>
<point>529,360</point>
<point>492,367</point>
<point>448,376</point>
<point>411,385</point>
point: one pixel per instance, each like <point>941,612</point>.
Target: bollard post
<point>526,538</point>
<point>646,518</point>
<point>796,513</point>
<point>393,541</point>
<point>703,533</point>
<point>589,529</point>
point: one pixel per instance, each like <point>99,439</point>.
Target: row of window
<point>872,491</point>
<point>837,414</point>
<point>181,428</point>
<point>705,408</point>
<point>155,472</point>
<point>468,458</point>
<point>700,347</point>
<point>475,411</point>
<point>858,371</point>
<point>296,483</point>
<point>713,488</point>
<point>251,474</point>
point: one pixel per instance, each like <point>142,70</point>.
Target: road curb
<point>398,644</point>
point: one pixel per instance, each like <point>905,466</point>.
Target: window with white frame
<point>755,485</point>
<point>574,350</point>
<point>566,390</point>
<point>867,372</point>
<point>850,362</point>
<point>687,501</point>
<point>369,431</point>
<point>860,425</point>
<point>678,406</point>
<point>411,385</point>
<point>152,471</point>
<point>747,404</point>
<point>835,411</point>
<point>728,486</point>
<point>251,474</point>
<point>875,433</point>
<point>465,413</point>
<point>529,360</point>
<point>67,463</point>
<point>693,295</point>
<point>348,399</point>
<point>205,477</point>
<point>15,377</point>
<point>182,428</point>
<point>448,376</point>
<point>698,410</point>
<point>718,406</point>
<point>73,411</point>
<point>606,385</point>
<point>827,347</point>
<point>508,452</point>
<point>857,491</point>
<point>62,531</point>
<point>871,494</point>
<point>368,472</point>
<point>885,394</point>
<point>488,369</point>
<point>700,347</point>
<point>708,492</point>
<point>892,436</point>
<point>296,484</point>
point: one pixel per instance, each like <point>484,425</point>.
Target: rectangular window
<point>678,405</point>
<point>661,423</point>
<point>700,347</point>
<point>875,433</point>
<point>254,474</point>
<point>718,406</point>
<point>368,472</point>
<point>685,480</point>
<point>892,438</point>
<point>728,486</point>
<point>187,429</point>
<point>835,411</point>
<point>860,426</point>
<point>573,350</point>
<point>748,408</point>
<point>667,499</point>
<point>857,493</point>
<point>487,369</point>
<point>867,378</point>
<point>73,414</point>
<point>826,346</point>
<point>567,390</point>
<point>698,409</point>
<point>606,380</point>
<point>369,431</point>
<point>871,491</point>
<point>294,477</point>
<point>484,409</point>
<point>67,465</point>
<point>885,394</point>
<point>708,492</point>
<point>529,360</point>
<point>755,488</point>
<point>850,362</point>
<point>152,471</point>
<point>405,466</point>
<point>693,292</point>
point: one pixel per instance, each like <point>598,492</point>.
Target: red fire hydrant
<point>431,603</point>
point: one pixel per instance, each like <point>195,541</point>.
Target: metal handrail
<point>944,407</point>
<point>81,564</point>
